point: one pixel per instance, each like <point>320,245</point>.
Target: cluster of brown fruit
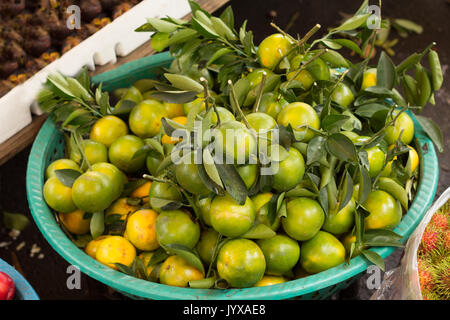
<point>33,33</point>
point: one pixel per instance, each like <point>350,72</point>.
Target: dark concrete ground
<point>48,275</point>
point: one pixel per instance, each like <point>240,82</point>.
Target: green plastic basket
<point>49,145</point>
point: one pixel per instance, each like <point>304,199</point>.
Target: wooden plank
<point>21,140</point>
<point>25,137</point>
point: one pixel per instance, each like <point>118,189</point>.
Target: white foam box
<point>115,39</point>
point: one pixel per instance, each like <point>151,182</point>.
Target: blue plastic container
<point>49,145</point>
<point>24,291</point>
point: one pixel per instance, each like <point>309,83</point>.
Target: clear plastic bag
<point>402,283</point>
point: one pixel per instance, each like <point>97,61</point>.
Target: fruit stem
<point>308,35</point>
<point>236,102</point>
<point>78,143</point>
<point>305,64</point>
<point>260,92</point>
<point>204,82</point>
<point>215,252</point>
<point>273,25</point>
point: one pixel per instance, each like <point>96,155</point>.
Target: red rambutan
<point>429,241</point>
<point>425,276</point>
<point>439,222</point>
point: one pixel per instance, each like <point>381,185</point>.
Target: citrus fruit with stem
<point>290,171</point>
<point>121,207</point>
<point>403,125</point>
<point>93,191</point>
<point>342,220</point>
<point>58,196</point>
<point>304,218</point>
<point>113,173</point>
<point>59,165</point>
<point>145,118</point>
<point>140,230</point>
<point>188,177</point>
<point>176,271</point>
<point>75,222</point>
<point>299,114</point>
<point>272,49</point>
<point>241,263</point>
<point>385,212</point>
<point>230,218</point>
<point>322,252</point>
<point>207,244</point>
<point>162,193</point>
<point>122,151</point>
<point>108,129</point>
<point>281,254</point>
<point>177,227</point>
<point>115,249</point>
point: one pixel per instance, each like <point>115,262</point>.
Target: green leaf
<point>61,85</point>
<point>352,123</point>
<point>181,36</point>
<point>381,234</point>
<point>228,17</point>
<point>241,88</point>
<point>300,192</point>
<point>333,122</point>
<point>368,110</point>
<point>408,63</point>
<point>346,194</point>
<point>113,218</point>
<point>129,187</point>
<point>385,72</point>
<point>219,53</point>
<point>125,269</point>
<point>74,115</point>
<point>233,182</point>
<point>353,23</point>
<point>183,82</point>
<point>202,283</point>
<point>342,148</point>
<point>210,167</point>
<point>222,29</point>
<point>375,258</point>
<point>123,107</point>
<point>16,221</point>
<point>174,96</point>
<point>379,91</point>
<point>97,225</point>
<point>170,126</point>
<point>146,27</point>
<point>365,184</point>
<point>409,25</point>
<point>82,240</point>
<point>315,150</point>
<point>259,231</point>
<point>204,29</point>
<point>323,200</point>
<point>154,275</point>
<point>165,204</point>
<point>78,90</point>
<point>155,145</point>
<point>433,131</point>
<point>158,256</point>
<point>84,79</point>
<point>67,176</point>
<point>187,254</point>
<point>162,25</point>
<point>349,44</point>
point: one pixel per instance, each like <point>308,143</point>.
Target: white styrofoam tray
<point>115,39</point>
